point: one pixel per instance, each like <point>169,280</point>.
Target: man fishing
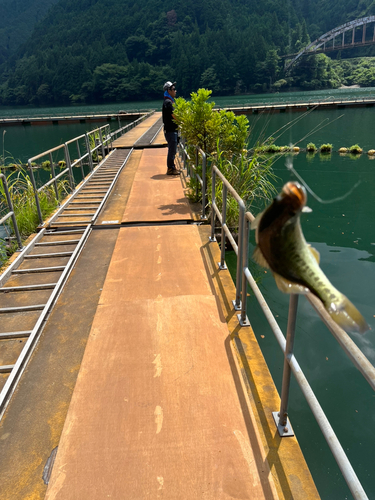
<point>170,127</point>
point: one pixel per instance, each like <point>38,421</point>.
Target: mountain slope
<point>18,20</point>
<point>113,50</point>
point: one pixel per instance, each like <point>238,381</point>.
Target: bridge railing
<point>197,172</point>
<point>221,216</point>
<point>291,364</point>
<point>244,279</point>
<point>87,148</point>
<point>10,214</point>
<point>282,102</point>
<point>122,130</point>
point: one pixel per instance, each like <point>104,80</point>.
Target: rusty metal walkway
<point>142,135</point>
<point>155,379</point>
<point>135,390</point>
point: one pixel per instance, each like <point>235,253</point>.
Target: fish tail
<point>346,315</point>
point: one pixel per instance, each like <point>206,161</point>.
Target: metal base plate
<point>284,431</point>
<point>222,268</point>
<point>237,307</point>
<point>243,323</point>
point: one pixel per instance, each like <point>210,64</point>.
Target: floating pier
<point>66,119</point>
<point>143,385</point>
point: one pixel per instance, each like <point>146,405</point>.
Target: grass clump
<point>326,148</point>
<point>355,149</point>
<point>23,199</point>
<point>311,148</point>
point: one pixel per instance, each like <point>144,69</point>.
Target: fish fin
<point>259,258</point>
<point>286,286</point>
<point>306,210</point>
<point>315,253</point>
<point>255,222</point>
<point>348,317</point>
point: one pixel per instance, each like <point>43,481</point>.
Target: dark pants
<point>171,138</point>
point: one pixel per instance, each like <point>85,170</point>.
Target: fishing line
<point>289,166</point>
<point>290,125</point>
<point>321,126</point>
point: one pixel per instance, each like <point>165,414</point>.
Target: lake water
<point>344,234</point>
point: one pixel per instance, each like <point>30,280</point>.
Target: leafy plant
<point>326,148</point>
<point>202,126</point>
<point>355,149</point>
<point>224,137</point>
<point>311,148</point>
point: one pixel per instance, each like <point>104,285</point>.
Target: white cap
<point>168,85</point>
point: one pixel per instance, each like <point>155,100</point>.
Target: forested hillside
<point>115,50</point>
<point>18,18</point>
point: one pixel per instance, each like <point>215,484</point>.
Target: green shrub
<point>326,148</point>
<point>23,200</point>
<point>311,148</point>
<point>224,137</point>
<point>355,149</point>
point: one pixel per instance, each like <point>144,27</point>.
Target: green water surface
<point>344,234</point>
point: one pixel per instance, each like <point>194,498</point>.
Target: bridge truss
<point>319,45</point>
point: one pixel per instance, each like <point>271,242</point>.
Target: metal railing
<point>221,215</point>
<point>122,130</point>
<point>197,172</point>
<point>281,103</point>
<point>291,365</point>
<point>244,279</point>
<point>10,214</point>
<point>94,142</point>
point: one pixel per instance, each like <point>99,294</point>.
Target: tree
<point>210,80</point>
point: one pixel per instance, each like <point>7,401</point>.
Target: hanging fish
<point>281,246</point>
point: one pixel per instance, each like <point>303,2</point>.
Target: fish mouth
<point>296,193</point>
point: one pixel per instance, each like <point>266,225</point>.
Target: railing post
<point>110,137</point>
<point>69,165</point>
<point>89,152</point>
<point>54,177</point>
<point>213,203</point>
<point>35,193</point>
<point>11,209</point>
<point>204,187</point>
<point>241,220</point>
<point>102,143</point>
<point>281,417</point>
<point>222,264</point>
<point>242,317</point>
<point>80,160</point>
